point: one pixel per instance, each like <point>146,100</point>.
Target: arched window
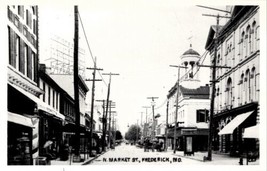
<point>248,41</point>
<point>253,84</point>
<point>242,46</point>
<point>218,63</point>
<point>247,86</point>
<point>241,89</point>
<point>229,93</point>
<point>230,57</point>
<point>257,37</point>
<point>253,37</point>
<point>218,98</point>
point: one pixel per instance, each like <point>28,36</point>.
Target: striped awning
<point>233,124</point>
<point>20,119</point>
<point>251,132</point>
<point>40,104</point>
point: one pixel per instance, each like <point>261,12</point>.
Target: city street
<point>130,155</point>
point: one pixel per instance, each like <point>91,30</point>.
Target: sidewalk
<point>70,162</point>
<point>217,159</point>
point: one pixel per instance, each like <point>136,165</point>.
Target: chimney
<point>42,67</point>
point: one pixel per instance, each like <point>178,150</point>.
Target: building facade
<point>193,107</point>
<point>237,88</point>
<point>22,84</point>
<point>51,120</point>
<point>66,83</point>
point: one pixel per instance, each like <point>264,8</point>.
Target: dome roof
<point>191,51</point>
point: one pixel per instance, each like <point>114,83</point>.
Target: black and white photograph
<point>125,84</point>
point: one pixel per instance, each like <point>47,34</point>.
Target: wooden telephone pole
<point>104,121</point>
<point>213,81</point>
<point>166,129</point>
<point>145,125</point>
<point>77,156</point>
<point>153,115</point>
<point>92,106</point>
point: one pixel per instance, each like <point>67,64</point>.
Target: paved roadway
<point>131,155</point>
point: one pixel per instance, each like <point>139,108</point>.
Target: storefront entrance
<point>19,144</point>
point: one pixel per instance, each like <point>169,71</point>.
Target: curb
<point>188,157</point>
<point>89,161</point>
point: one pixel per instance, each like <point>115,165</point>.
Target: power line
<point>88,45</point>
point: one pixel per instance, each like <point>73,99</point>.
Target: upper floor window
<point>17,52</point>
<point>21,11</point>
<point>229,92</point>
<point>26,59</point>
<point>44,91</point>
<point>253,84</point>
<point>242,46</point>
<point>253,37</point>
<point>49,95</point>
<point>247,86</point>
<point>202,115</point>
<point>248,36</point>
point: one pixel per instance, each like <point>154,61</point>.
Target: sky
<point>138,40</point>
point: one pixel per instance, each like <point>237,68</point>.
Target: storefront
<point>190,140</point>
<point>32,123</point>
<point>20,130</point>
<point>50,140</point>
<point>229,129</point>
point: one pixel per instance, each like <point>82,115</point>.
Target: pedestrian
<point>146,145</point>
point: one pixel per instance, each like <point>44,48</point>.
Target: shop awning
<point>20,119</point>
<point>230,127</point>
<point>41,105</point>
<point>251,132</point>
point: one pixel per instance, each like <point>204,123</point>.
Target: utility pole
<point>108,94</point>
<point>114,128</point>
<point>145,126</point>
<point>77,156</point>
<point>153,115</point>
<point>213,81</point>
<point>109,128</point>
<point>92,105</point>
<point>166,129</point>
<point>137,130</point>
<point>177,106</point>
<point>141,134</point>
<point>104,120</point>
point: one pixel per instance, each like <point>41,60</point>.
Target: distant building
<point>193,107</point>
<point>237,90</point>
<point>58,55</point>
<point>66,83</point>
